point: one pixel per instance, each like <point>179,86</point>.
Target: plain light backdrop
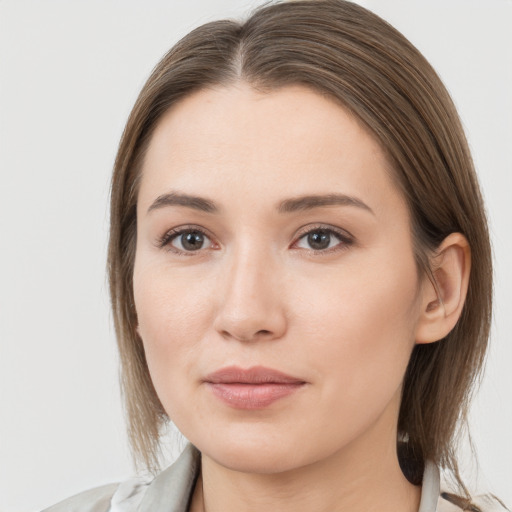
<point>69,74</point>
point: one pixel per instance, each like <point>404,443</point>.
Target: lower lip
<point>253,396</point>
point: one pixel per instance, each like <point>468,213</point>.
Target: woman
<point>300,270</point>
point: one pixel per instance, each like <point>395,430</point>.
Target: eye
<point>186,240</point>
<point>323,239</point>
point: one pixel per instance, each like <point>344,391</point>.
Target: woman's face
<point>275,285</point>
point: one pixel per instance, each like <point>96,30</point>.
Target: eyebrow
<point>291,205</point>
<point>316,201</point>
<point>179,199</point>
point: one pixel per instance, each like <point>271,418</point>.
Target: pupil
<point>319,240</point>
<point>192,241</point>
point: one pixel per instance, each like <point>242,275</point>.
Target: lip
<point>252,388</point>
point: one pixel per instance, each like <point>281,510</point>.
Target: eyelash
<point>345,239</point>
<point>169,236</point>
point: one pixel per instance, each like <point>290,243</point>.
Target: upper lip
<point>253,375</point>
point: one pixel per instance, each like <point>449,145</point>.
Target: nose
<point>251,305</point>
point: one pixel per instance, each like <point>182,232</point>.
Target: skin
<point>343,320</point>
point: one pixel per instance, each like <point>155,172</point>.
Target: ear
<point>442,303</point>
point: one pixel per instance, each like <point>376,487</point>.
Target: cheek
<point>170,302</point>
<point>173,316</point>
<point>362,320</point>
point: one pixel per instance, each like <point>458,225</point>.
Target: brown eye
<point>320,239</point>
<point>190,240</point>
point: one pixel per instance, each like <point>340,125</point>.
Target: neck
<point>363,476</point>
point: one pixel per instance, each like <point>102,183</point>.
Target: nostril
<point>262,333</point>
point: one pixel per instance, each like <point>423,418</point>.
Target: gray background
<point>69,74</point>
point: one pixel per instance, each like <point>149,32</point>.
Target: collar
<point>172,489</point>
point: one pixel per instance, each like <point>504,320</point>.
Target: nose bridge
<point>250,306</point>
<point>248,267</point>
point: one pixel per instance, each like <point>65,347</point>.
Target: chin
<point>260,453</point>
<point>255,458</point>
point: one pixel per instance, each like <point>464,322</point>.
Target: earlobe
<point>443,301</point>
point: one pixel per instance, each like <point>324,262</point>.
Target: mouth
<point>253,388</point>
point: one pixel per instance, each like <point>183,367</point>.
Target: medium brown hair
<point>349,54</point>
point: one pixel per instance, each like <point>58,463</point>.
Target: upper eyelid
<point>342,233</point>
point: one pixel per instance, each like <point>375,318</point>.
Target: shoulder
<point>436,495</point>
<point>93,500</point>
<point>170,490</point>
<point>122,497</point>
<point>449,502</point>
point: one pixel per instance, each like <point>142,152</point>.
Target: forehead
<point>285,142</point>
